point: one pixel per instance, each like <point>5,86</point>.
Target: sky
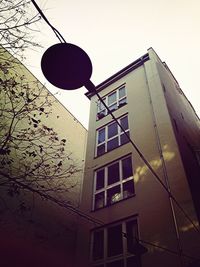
<point>115,33</point>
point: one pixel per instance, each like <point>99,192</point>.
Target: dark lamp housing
<point>66,66</point>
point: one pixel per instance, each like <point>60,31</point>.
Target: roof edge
<point>135,64</point>
<point>42,84</point>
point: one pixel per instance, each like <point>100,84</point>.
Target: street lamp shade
<point>66,66</point>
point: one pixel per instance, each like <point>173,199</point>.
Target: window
<point>113,183</point>
<point>111,136</point>
<point>112,245</point>
<point>113,100</point>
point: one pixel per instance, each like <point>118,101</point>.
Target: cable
<point>168,250</point>
<point>61,203</point>
<point>160,247</point>
<point>91,87</point>
<point>57,33</point>
<point>88,217</point>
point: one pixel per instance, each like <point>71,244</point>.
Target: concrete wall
<point>176,174</point>
<point>186,125</point>
<point>151,129</point>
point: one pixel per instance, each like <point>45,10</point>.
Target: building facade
<point>42,152</point>
<point>133,220</point>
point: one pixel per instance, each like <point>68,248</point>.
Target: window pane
<point>128,189</point>
<point>115,241</point>
<point>101,135</point>
<point>122,92</point>
<point>100,150</point>
<point>98,243</point>
<point>100,179</point>
<point>101,105</point>
<point>119,263</point>
<point>132,235</point>
<point>99,200</point>
<point>112,98</point>
<point>113,195</point>
<point>124,139</point>
<point>122,102</point>
<point>113,107</point>
<point>113,173</point>
<point>127,170</point>
<point>112,130</point>
<point>124,122</point>
<point>133,262</point>
<point>112,144</point>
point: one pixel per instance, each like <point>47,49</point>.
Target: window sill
<point>107,206</point>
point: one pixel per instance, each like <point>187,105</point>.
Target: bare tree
<point>35,162</point>
<point>17,20</point>
<point>32,156</point>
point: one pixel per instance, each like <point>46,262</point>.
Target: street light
<point>67,66</point>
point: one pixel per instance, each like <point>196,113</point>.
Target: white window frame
<point>102,112</point>
<point>107,186</point>
<point>124,255</point>
<point>105,142</point>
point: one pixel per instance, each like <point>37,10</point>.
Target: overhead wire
<point>91,87</point>
<point>89,218</point>
<point>59,202</point>
<point>57,33</point>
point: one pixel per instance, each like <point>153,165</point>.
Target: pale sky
<point>114,33</point>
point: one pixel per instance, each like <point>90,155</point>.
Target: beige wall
<point>46,236</point>
<point>72,130</point>
<point>152,131</point>
<point>186,127</point>
<point>175,170</point>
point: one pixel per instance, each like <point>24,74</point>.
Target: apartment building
<point>133,219</point>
